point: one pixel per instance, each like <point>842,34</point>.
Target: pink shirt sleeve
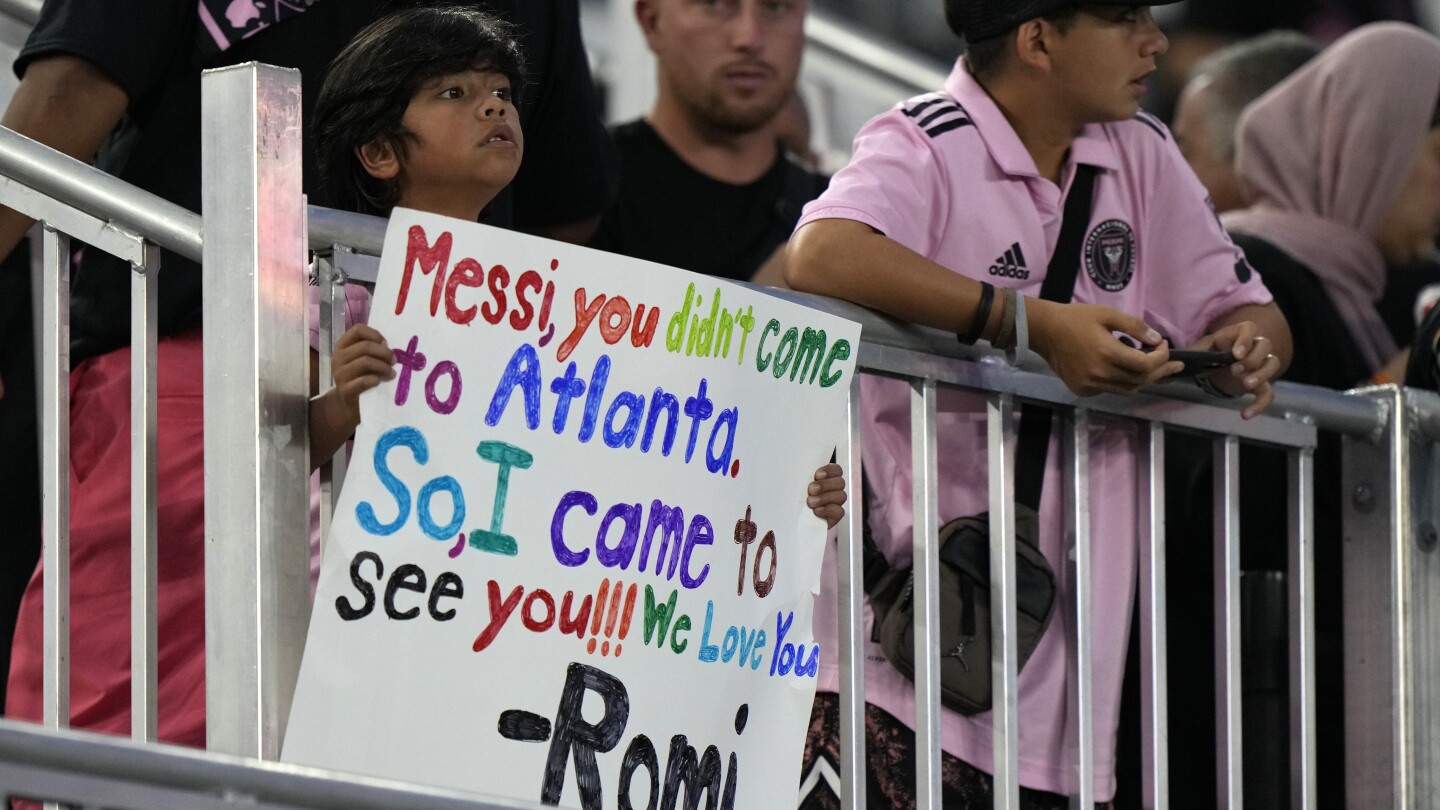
<point>1196,273</point>
<point>893,183</point>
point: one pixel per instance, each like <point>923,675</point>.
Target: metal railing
<point>252,245</point>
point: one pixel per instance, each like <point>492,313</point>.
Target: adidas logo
<point>1011,265</point>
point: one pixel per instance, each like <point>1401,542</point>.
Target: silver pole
<point>329,284</point>
<point>1079,627</point>
<point>1154,673</point>
<point>1228,769</point>
<point>927,594</point>
<point>1302,629</point>
<point>850,582</point>
<point>1004,652</point>
<point>99,194</point>
<point>256,398</point>
<point>144,295</point>
<point>55,456</point>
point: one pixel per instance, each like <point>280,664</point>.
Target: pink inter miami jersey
<point>945,175</point>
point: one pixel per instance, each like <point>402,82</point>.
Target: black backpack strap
<point>1033,442</point>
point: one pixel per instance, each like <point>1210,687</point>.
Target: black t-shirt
<point>1424,368</point>
<point>670,213</point>
<point>1325,353</point>
<point>150,48</point>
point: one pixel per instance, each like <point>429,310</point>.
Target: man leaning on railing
<point>1044,100</point>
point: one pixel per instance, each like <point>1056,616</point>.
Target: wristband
<point>1202,381</point>
<point>1005,335</point>
<point>1022,330</point>
<point>982,315</point>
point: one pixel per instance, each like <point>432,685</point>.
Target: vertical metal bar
<point>1004,653</point>
<point>1078,626</point>
<point>1377,742</point>
<point>36,238</point>
<point>1302,629</point>
<point>927,594</point>
<point>1154,672</point>
<point>256,394</point>
<point>55,455</point>
<point>325,276</point>
<point>341,460</point>
<point>850,579</point>
<point>144,295</point>
<point>1228,738</point>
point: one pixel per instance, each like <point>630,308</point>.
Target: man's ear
<point>1032,44</point>
<point>379,159</point>
<point>647,13</point>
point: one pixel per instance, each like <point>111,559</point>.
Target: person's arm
<point>68,104</point>
<point>772,272</point>
<point>848,259</point>
<point>1259,337</point>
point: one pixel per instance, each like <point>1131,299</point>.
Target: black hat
<point>978,20</point>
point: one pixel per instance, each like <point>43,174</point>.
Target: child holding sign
<point>419,111</point>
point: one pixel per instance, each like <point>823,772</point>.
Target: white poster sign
<point>572,561</point>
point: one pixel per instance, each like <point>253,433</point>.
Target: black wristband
<point>982,315</point>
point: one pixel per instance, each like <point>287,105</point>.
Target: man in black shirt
<point>122,79</point>
<point>704,184</point>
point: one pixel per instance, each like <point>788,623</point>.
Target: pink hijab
<point>1325,154</point>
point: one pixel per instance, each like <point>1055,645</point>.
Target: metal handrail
<point>886,60</point>
<point>101,195</point>
<point>121,761</point>
<point>22,11</point>
<point>1326,409</point>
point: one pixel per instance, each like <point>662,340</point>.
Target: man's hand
<point>1254,367</point>
<point>1259,339</point>
<point>1078,343</point>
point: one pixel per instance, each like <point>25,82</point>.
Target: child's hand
<point>826,496</point>
<point>1078,343</point>
<point>362,360</point>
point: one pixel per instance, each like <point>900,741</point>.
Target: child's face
<point>467,143</point>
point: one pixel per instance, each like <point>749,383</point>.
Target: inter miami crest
<point>1110,255</point>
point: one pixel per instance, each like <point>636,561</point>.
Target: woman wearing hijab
<point>1341,165</point>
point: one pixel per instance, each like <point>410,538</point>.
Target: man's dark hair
<point>1238,74</point>
<point>371,82</point>
<point>986,56</point>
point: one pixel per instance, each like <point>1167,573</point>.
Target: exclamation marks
<point>611,617</point>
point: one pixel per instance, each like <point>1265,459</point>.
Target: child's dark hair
<point>371,82</point>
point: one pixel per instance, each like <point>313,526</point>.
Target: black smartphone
<point>1195,362</point>
<point>1200,362</point>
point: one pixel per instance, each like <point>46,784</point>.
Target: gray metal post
<point>256,452</point>
<point>1229,755</point>
<point>1392,614</point>
<point>144,500</point>
<point>1004,649</point>
<point>1154,667</point>
<point>1079,626</point>
<point>850,583</point>
<point>926,503</point>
